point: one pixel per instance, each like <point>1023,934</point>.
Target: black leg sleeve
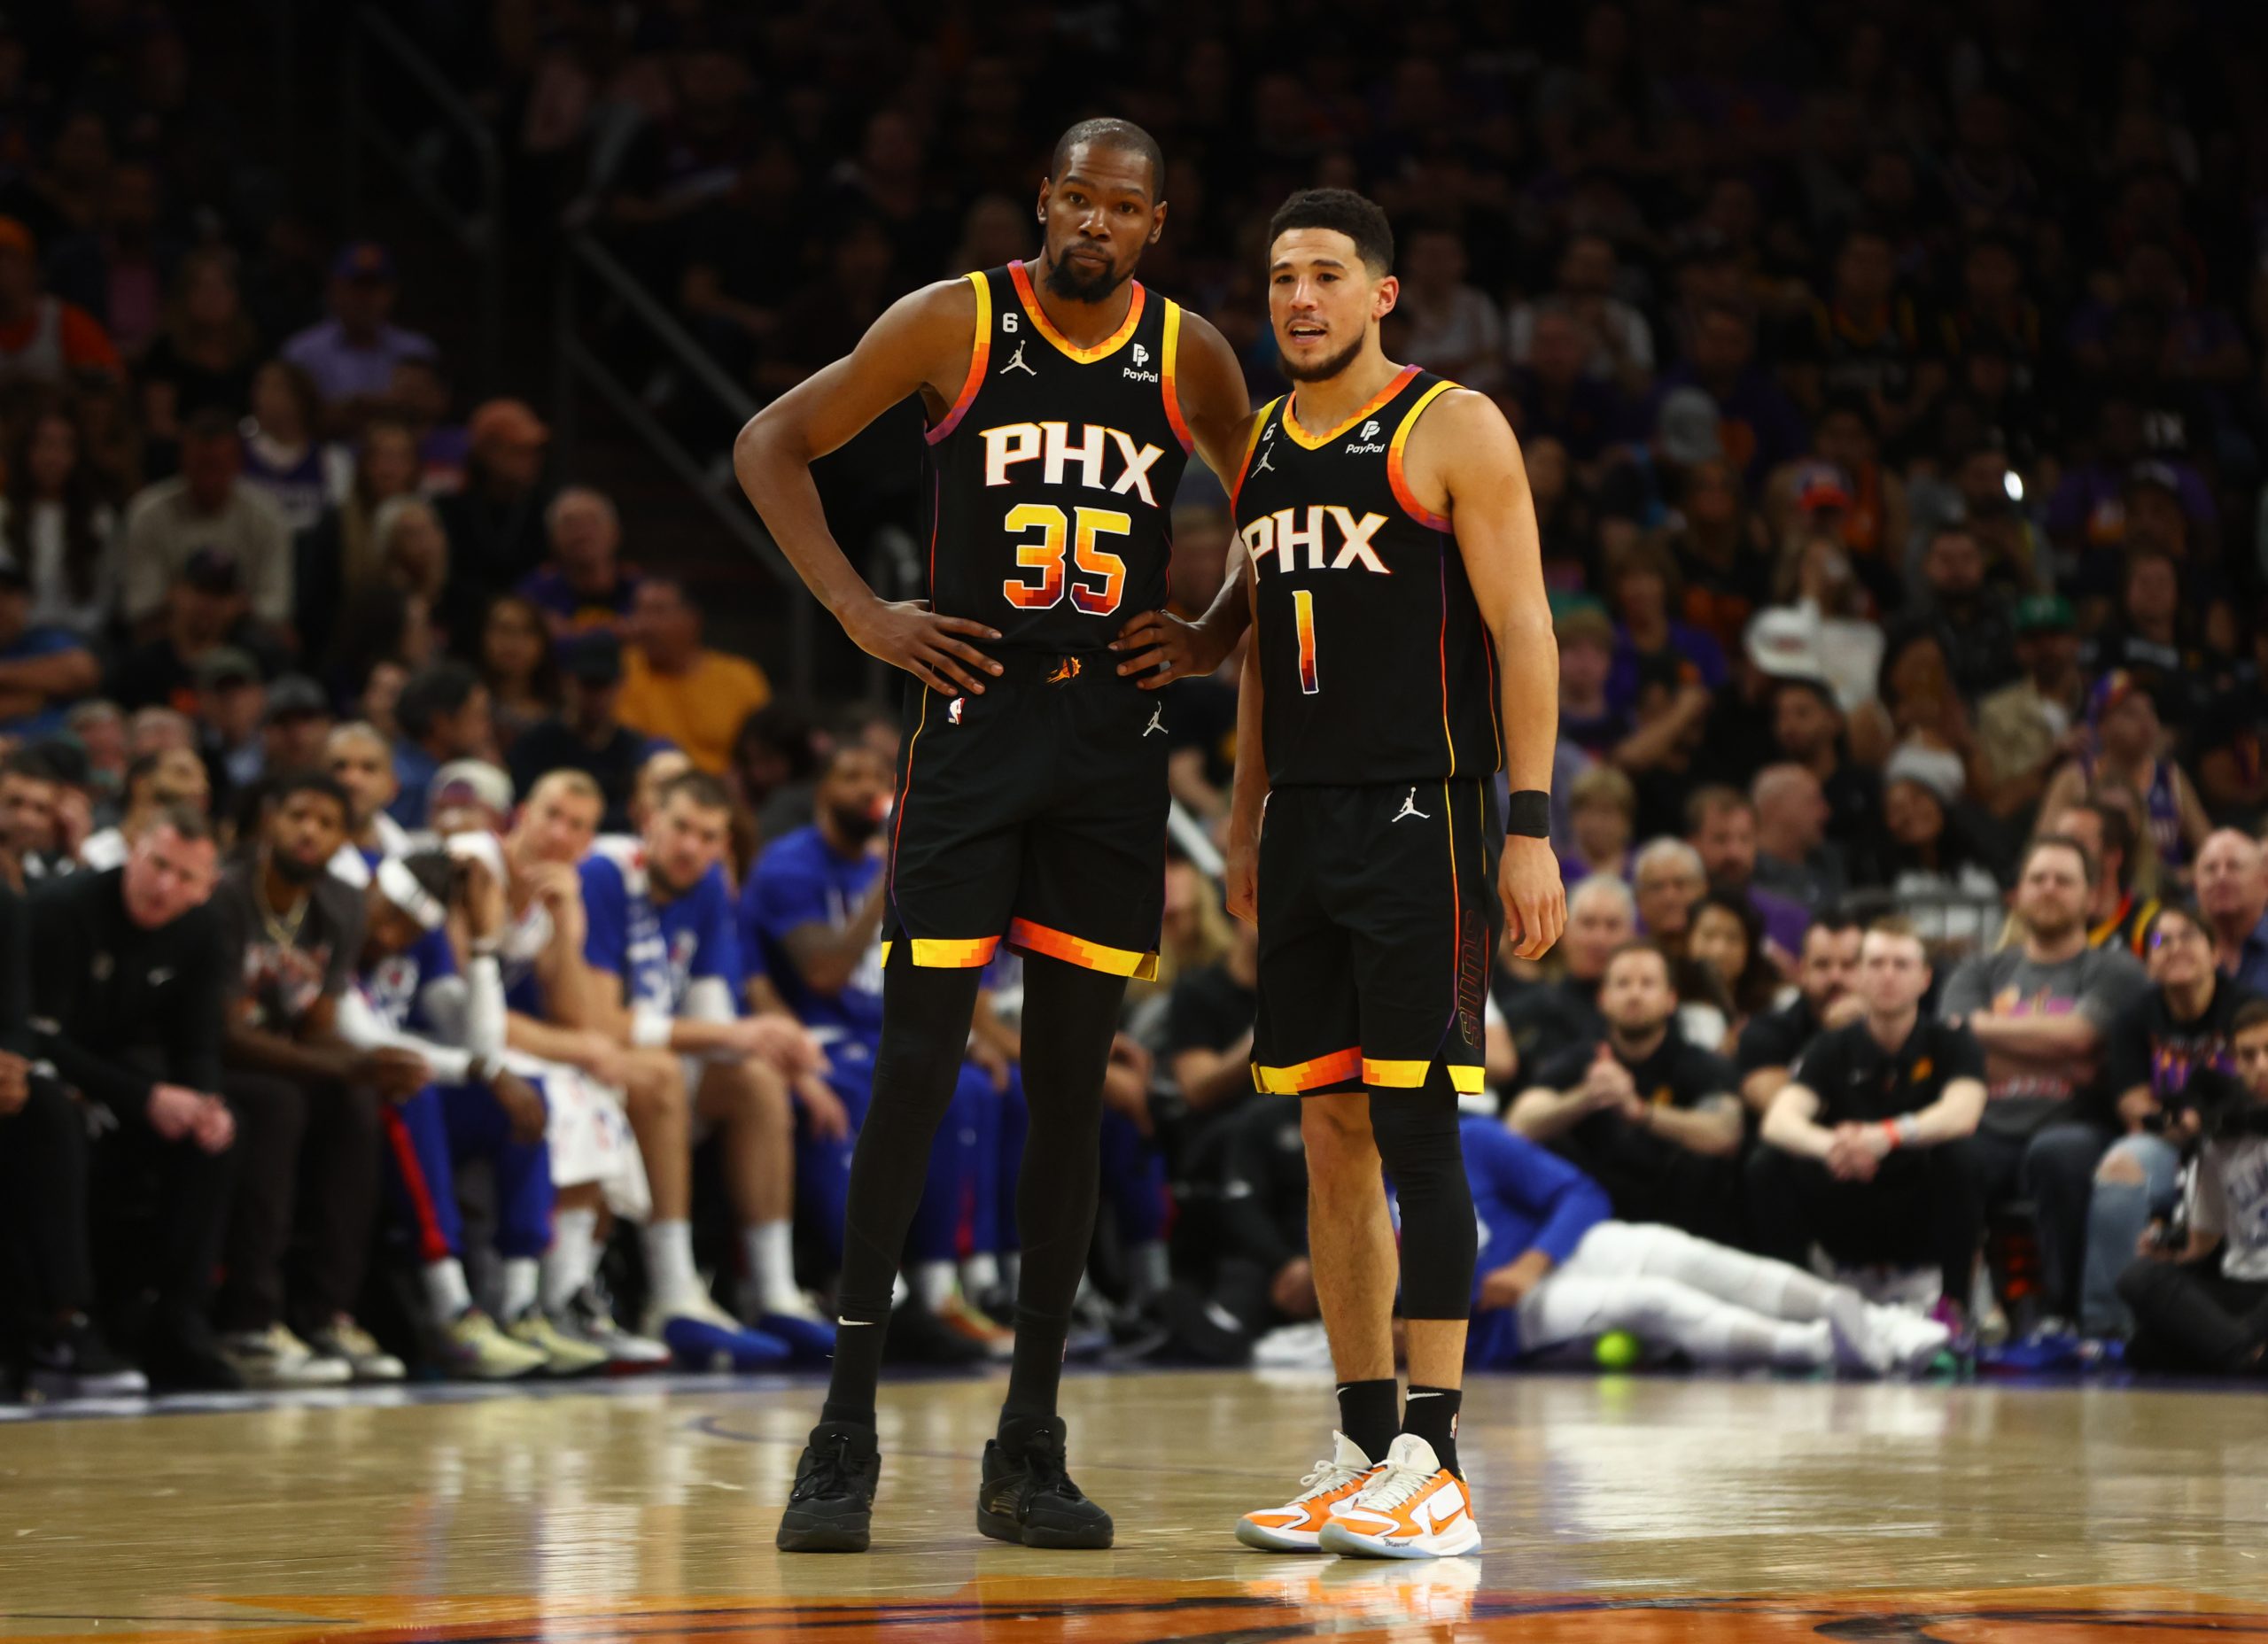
<point>1418,1140</point>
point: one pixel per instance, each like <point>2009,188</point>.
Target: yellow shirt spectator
<point>676,688</point>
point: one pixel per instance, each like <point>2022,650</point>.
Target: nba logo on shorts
<point>1141,356</point>
<point>952,709</point>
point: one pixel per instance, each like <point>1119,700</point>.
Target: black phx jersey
<point>1054,474</point>
<point>1375,664</point>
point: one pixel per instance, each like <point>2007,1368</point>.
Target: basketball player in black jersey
<point>1402,654</point>
<point>1063,400</point>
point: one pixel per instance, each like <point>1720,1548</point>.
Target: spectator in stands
<point>1668,878</point>
<point>443,712</point>
<point>1449,326</point>
<point>775,762</point>
<point>519,666</point>
<point>1602,814</point>
<point>137,1038</point>
<point>42,670</point>
<point>351,356</point>
<point>203,353</point>
<point>2040,1007</point>
<point>99,728</point>
<point>413,560</point>
<point>1728,948</point>
<point>420,400</point>
<point>1207,1047</point>
<point>1586,638</point>
<point>284,456</point>
<point>1794,859</point>
<point>496,524</point>
<point>675,689</point>
<point>1827,975</point>
<point>1651,645</point>
<point>155,784</point>
<point>230,700</point>
<point>2192,1312</point>
<point>204,611</point>
<point>1723,551</point>
<point>2118,914</point>
<point>1808,729</point>
<point>1653,1120</point>
<point>1558,400</point>
<point>54,523</point>
<point>2024,730</point>
<point>1620,343</point>
<point>1547,1020</point>
<point>666,957</point>
<point>294,726</point>
<point>340,553</point>
<point>2180,1028</point>
<point>2232,894</point>
<point>44,340</point>
<point>2124,747</point>
<point>118,268</point>
<point>584,585</point>
<point>587,735</point>
<point>1862,1144</point>
<point>29,784</point>
<point>307,1101</point>
<point>1932,860</point>
<point>1760,426</point>
<point>1969,618</point>
<point>207,506</point>
<point>1720,824</point>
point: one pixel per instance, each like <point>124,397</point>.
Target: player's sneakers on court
<point>1027,1495</point>
<point>274,1357</point>
<point>962,1316</point>
<point>832,1507</point>
<point>810,1337</point>
<point>562,1354</point>
<point>705,1337</point>
<point>588,1317</point>
<point>474,1348</point>
<point>366,1361</point>
<point>73,1361</point>
<point>1297,1525</point>
<point>1411,1507</point>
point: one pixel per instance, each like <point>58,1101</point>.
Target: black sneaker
<point>832,1507</point>
<point>1027,1497</point>
<point>74,1362</point>
<point>183,1355</point>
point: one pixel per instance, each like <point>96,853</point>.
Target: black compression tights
<point>1069,1015</point>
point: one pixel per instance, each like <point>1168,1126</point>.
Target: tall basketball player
<point>1063,400</point>
<point>1402,653</point>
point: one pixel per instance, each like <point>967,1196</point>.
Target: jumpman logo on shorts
<point>1016,363</point>
<point>1157,720</point>
<point>1409,809</point>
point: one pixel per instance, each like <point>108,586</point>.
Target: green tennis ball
<point>1618,1350</point>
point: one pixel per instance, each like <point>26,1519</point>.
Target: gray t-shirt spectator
<point>2228,1196</point>
<point>284,968</point>
<point>2096,983</point>
<point>163,529</point>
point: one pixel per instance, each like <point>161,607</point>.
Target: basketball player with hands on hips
<point>1063,400</point>
<point>1402,654</point>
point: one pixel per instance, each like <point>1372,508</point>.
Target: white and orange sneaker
<point>1295,1526</point>
<point>1410,1508</point>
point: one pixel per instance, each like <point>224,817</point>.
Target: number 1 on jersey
<point>1303,620</point>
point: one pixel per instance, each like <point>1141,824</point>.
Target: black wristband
<point>1529,814</point>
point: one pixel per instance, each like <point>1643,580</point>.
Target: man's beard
<point>2053,933</point>
<point>857,824</point>
<point>1065,280</point>
<point>1321,370</point>
<point>294,871</point>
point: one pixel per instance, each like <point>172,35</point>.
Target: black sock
<point>1070,1014</point>
<point>1367,1415</point>
<point>925,1034</point>
<point>1431,1414</point>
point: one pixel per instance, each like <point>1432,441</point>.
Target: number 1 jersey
<point>1053,476</point>
<point>1375,664</point>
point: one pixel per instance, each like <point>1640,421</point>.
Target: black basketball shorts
<point>1378,914</point>
<point>1033,814</point>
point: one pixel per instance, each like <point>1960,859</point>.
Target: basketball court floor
<point>1617,1509</point>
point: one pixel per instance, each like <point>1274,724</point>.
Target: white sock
<point>446,1293</point>
<point>771,1252</point>
<point>1012,1269</point>
<point>571,1259</point>
<point>519,1285</point>
<point>934,1282</point>
<point>979,1275</point>
<point>668,1262</point>
<point>1146,1275</point>
<point>899,1290</point>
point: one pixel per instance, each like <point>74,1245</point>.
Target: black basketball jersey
<point>1053,476</point>
<point>1374,662</point>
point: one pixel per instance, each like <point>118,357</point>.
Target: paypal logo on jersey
<point>1049,444</point>
<point>1283,535</point>
<point>1360,444</point>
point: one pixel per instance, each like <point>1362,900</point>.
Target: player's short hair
<point>1836,921</point>
<point>436,689</point>
<point>704,790</point>
<point>1347,213</point>
<point>1109,132</point>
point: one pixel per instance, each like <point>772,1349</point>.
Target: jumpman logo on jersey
<point>1016,362</point>
<point>1266,465</point>
<point>1157,720</point>
<point>1409,809</point>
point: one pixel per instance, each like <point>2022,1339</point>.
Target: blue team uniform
<point>799,881</point>
<point>659,949</point>
<point>442,1124</point>
<point>1526,1197</point>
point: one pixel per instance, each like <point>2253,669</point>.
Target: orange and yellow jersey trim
<point>1252,445</point>
<point>979,353</point>
<point>1089,956</point>
<point>1103,350</point>
<point>1314,442</point>
<point>1397,478</point>
<point>1171,349</point>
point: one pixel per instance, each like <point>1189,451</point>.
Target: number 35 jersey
<point>1374,662</point>
<point>1053,476</point>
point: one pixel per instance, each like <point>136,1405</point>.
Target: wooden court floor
<point>1652,1509</point>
